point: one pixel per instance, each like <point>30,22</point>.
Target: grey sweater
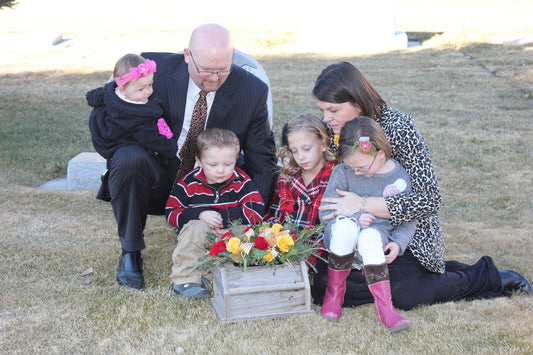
<point>379,185</point>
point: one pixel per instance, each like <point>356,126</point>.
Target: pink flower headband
<point>142,69</point>
<point>363,143</point>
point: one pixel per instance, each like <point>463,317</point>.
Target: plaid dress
<point>300,202</point>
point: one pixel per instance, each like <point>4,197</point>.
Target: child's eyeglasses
<point>364,171</point>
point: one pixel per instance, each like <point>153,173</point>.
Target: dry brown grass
<point>469,98</point>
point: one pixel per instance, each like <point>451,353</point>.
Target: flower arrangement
<point>263,244</point>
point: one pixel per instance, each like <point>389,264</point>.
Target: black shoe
<point>191,290</point>
<point>513,281</point>
<point>130,270</point>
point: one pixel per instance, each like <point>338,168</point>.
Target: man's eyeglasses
<point>208,72</point>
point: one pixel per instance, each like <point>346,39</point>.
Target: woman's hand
<point>346,205</point>
<point>391,250</point>
<point>212,218</point>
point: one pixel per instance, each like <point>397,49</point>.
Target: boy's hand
<point>212,218</point>
<point>219,232</point>
<point>366,219</point>
<point>391,250</point>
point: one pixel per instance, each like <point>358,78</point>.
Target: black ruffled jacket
<point>115,123</point>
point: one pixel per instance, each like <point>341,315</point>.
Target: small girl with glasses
<point>363,240</point>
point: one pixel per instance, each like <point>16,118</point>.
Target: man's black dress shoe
<point>130,270</point>
<point>513,281</point>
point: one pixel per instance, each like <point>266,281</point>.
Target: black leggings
<point>413,285</point>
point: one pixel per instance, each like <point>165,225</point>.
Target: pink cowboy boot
<point>377,279</point>
<point>339,268</point>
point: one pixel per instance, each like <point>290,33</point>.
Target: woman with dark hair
<point>420,275</point>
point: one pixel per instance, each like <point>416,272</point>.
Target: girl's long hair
<point>308,123</point>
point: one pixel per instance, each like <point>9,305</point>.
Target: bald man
<point>139,182</point>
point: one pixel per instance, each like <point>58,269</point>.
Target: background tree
<point>7,3</point>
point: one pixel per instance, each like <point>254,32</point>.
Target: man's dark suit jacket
<point>240,105</point>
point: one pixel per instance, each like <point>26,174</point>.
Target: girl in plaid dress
<point>307,161</point>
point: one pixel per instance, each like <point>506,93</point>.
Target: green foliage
<point>7,4</point>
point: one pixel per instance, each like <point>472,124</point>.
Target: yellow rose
<point>284,242</point>
<point>234,245</point>
<point>269,257</point>
<point>276,227</point>
<point>237,258</point>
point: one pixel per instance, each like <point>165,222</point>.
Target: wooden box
<point>261,292</point>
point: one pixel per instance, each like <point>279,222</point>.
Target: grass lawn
<point>471,98</point>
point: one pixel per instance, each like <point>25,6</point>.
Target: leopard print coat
<point>423,203</point>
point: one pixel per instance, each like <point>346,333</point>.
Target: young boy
<point>206,200</point>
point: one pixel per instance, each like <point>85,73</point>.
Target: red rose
<point>218,247</point>
<point>261,243</point>
<point>294,235</point>
<point>227,236</point>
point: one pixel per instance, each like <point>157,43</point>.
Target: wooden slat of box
<point>261,292</point>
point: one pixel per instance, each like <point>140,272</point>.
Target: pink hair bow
<point>142,69</point>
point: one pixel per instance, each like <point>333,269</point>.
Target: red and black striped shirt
<point>235,199</point>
